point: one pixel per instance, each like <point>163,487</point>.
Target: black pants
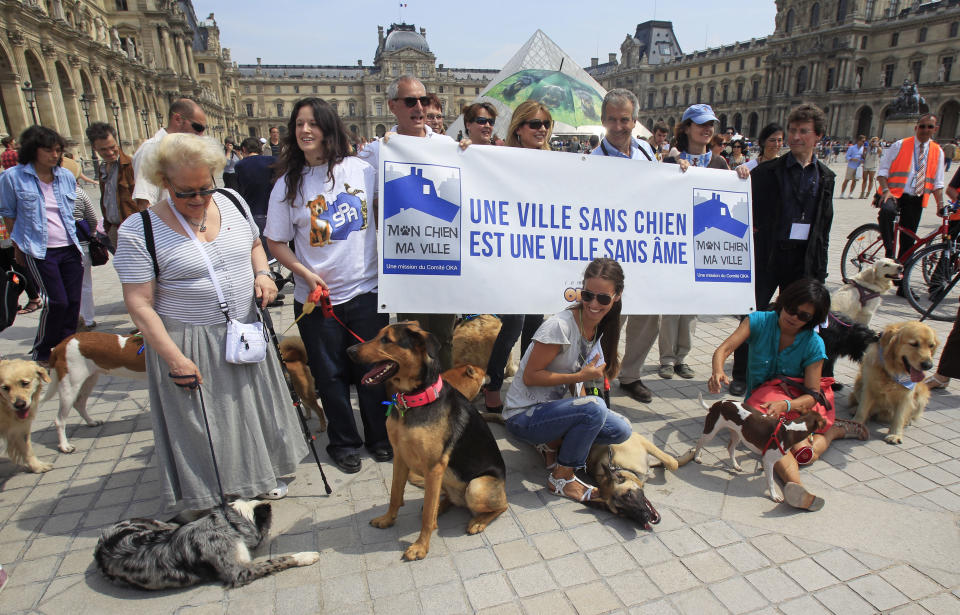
<point>788,267</point>
<point>441,326</point>
<point>911,207</point>
<point>514,325</point>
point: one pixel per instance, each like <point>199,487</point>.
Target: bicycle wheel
<point>864,247</point>
<point>926,277</point>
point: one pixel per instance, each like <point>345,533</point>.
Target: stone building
<point>122,60</point>
<point>847,56</point>
<point>358,93</point>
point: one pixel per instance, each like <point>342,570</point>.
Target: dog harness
<point>774,438</point>
<point>405,401</point>
<point>865,293</point>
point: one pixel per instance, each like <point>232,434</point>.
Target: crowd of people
<point>192,258</point>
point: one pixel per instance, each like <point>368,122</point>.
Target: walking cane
<point>213,455</point>
<point>309,437</point>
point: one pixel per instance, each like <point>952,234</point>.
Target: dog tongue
<point>22,414</point>
<point>915,375</point>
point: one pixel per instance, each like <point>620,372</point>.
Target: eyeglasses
<point>602,298</point>
<point>798,314</point>
<point>538,124</point>
<point>197,126</point>
<point>433,116</point>
<point>411,101</point>
<point>195,193</point>
<point>927,126</point>
<point>483,121</point>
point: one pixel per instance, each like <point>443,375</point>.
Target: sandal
<point>795,494</point>
<point>852,429</point>
<point>32,306</point>
<point>559,484</point>
<point>935,382</point>
<point>277,493</point>
<point>543,449</point>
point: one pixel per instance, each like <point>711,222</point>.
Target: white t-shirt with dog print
<point>332,227</point>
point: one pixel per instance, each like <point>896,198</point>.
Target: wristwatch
<point>265,272</point>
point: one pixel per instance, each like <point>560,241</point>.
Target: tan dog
<point>890,386</point>
<point>20,386</point>
<point>473,341</point>
<point>78,361</point>
<point>620,471</point>
<point>467,380</point>
<point>860,297</point>
<point>295,358</point>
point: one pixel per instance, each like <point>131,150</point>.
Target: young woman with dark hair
<point>37,201</point>
<point>339,253</point>
<point>571,352</point>
<point>771,142</point>
<point>785,345</point>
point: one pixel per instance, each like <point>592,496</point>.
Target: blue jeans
<point>580,421</point>
<point>326,342</point>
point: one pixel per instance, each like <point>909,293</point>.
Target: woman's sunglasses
<point>588,295</point>
<point>799,315</point>
<point>411,101</point>
<point>538,124</point>
<point>483,121</point>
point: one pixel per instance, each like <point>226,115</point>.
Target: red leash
<point>773,438</point>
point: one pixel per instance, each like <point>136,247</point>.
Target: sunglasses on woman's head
<point>602,298</point>
<point>411,101</point>
<point>483,121</point>
<point>799,314</point>
<point>538,124</point>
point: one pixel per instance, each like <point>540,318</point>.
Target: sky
<point>469,35</point>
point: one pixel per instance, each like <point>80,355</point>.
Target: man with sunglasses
<point>185,115</point>
<point>910,171</point>
<point>408,101</point>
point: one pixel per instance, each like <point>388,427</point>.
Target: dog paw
<point>306,558</point>
<point>66,448</point>
<point>475,527</point>
<point>777,497</point>
<point>383,521</point>
<point>696,459</point>
<point>737,467</point>
<point>894,438</point>
<point>415,551</point>
<point>94,423</point>
<point>39,467</point>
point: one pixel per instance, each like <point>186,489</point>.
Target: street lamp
<point>144,114</point>
<point>159,120</point>
<point>116,116</point>
<point>85,107</point>
<point>31,97</point>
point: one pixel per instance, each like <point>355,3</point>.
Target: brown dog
<point>473,340</point>
<point>620,471</point>
<point>20,386</point>
<point>890,386</point>
<point>433,433</point>
<point>295,358</point>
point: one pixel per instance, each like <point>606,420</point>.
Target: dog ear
<point>42,373</point>
<point>615,477</point>
<point>888,338</point>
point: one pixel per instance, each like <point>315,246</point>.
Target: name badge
<point>799,231</point>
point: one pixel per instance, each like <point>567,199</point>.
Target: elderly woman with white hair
<point>173,300</point>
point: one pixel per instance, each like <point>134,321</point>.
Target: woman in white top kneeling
<point>571,352</point>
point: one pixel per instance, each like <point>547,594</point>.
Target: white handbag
<point>246,342</point>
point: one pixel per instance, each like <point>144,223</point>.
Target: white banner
<point>507,230</point>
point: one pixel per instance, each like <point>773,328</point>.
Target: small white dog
<point>860,297</point>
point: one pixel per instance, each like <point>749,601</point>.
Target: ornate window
<point>815,15</point>
<point>791,17</point>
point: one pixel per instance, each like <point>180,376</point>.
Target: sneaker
<point>665,371</point>
<point>683,370</point>
<point>637,391</point>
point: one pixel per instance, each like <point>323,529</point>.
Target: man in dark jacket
<point>792,216</point>
<point>116,178</point>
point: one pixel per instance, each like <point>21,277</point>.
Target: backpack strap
<point>235,200</point>
<point>148,238</point>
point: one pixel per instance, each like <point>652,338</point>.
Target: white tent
<point>542,71</point>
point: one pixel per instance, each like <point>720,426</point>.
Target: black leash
<point>297,403</point>
<point>213,455</point>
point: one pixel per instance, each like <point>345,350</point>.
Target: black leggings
<point>513,326</point>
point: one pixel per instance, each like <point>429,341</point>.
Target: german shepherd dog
<point>444,441</point>
<point>150,554</point>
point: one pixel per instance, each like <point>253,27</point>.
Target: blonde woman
<point>173,301</point>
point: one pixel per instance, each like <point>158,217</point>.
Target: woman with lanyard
<point>771,142</point>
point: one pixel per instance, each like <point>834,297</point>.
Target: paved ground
<point>887,539</point>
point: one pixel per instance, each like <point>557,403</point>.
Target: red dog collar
<point>424,397</point>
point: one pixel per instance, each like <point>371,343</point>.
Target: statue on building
<point>941,72</point>
<point>115,39</point>
<point>908,101</point>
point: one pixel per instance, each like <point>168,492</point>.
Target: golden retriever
<point>890,385</point>
<point>859,305</point>
<point>295,359</point>
<point>20,386</point>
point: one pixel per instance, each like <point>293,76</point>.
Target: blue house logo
<point>414,192</point>
<point>714,213</point>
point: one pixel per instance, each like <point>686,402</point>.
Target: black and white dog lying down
<point>151,554</point>
<point>844,338</point>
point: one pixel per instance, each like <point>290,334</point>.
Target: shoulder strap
<point>234,199</point>
<point>148,237</point>
<point>644,152</point>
